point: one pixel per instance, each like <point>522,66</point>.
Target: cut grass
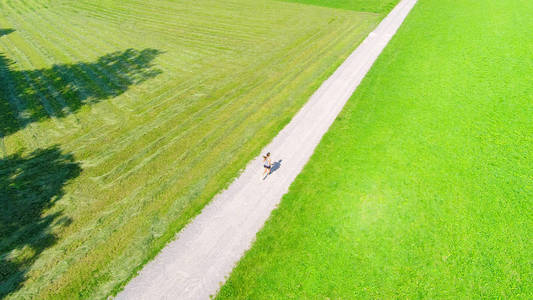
<point>119,120</point>
<point>423,187</point>
<point>379,6</point>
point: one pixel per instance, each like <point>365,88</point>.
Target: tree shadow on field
<point>5,31</point>
<point>29,185</point>
<point>30,96</point>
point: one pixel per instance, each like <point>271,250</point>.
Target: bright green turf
<point>120,119</point>
<point>423,187</point>
<point>357,5</point>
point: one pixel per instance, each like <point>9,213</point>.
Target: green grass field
<point>423,187</point>
<point>120,120</point>
<point>383,6</point>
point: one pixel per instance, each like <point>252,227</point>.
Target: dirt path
<point>195,264</point>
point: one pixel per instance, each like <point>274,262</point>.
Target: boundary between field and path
<point>199,260</point>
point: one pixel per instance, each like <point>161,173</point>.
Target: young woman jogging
<point>267,163</point>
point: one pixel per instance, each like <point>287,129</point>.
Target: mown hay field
<point>120,120</point>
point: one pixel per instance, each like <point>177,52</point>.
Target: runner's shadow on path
<point>275,166</point>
